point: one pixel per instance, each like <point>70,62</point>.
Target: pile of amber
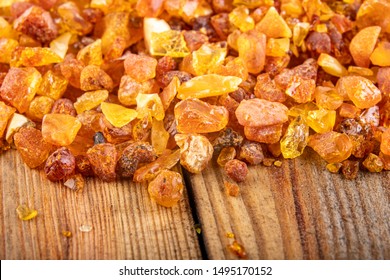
<point>127,88</point>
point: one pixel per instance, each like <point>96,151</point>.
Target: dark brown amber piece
<point>251,152</point>
<point>60,164</point>
<point>103,158</point>
<point>236,169</point>
<point>83,166</point>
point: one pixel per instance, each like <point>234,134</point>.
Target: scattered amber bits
<point>130,88</point>
<point>25,213</point>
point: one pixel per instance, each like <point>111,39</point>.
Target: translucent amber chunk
<point>103,158</point>
<point>129,90</point>
<point>234,67</point>
<point>363,44</point>
<point>169,92</point>
<point>327,98</point>
<point>331,65</point>
<point>260,112</point>
<point>118,115</point>
<point>349,111</point>
<point>15,123</point>
<point>195,116</point>
<point>159,136</point>
<point>71,69</point>
<point>150,104</point>
<point>295,139</point>
<point>372,12</point>
<point>373,163</point>
<point>149,8</point>
<point>6,30</point>
<point>60,129</point>
<point>240,18</point>
<point>20,86</point>
<point>322,120</point>
<point>226,154</point>
<point>7,47</point>
<point>53,85</point>
<point>266,88</point>
<point>90,100</point>
<point>168,43</point>
<point>72,20</point>
<point>167,188</point>
<point>25,213</point>
<point>381,55</point>
<point>207,58</point>
<point>151,26</point>
<point>277,47</point>
<point>39,106</point>
<point>91,54</point>
<point>208,85</point>
<point>331,146</point>
<point>195,151</point>
<point>140,67</point>
<point>362,92</point>
<point>37,57</point>
<point>251,47</point>
<point>30,144</point>
<point>6,113</point>
<point>385,143</point>
<point>264,134</point>
<point>60,44</point>
<point>273,25</point>
<point>142,128</point>
<point>94,78</point>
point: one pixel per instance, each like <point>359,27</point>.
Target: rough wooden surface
<point>297,211</point>
<point>126,223</point>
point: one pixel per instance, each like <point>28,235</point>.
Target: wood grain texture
<point>297,211</point>
<point>126,223</point>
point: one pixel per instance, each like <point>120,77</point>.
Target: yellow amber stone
<point>300,32</point>
<point>91,54</point>
<point>251,48</point>
<point>361,71</point>
<point>168,43</point>
<point>273,25</point>
<point>25,213</point>
<point>296,138</point>
<point>363,44</point>
<point>118,115</point>
<point>207,58</point>
<point>150,104</point>
<point>72,20</point>
<point>240,18</point>
<point>321,120</point>
<point>39,106</point>
<point>208,85</point>
<point>151,26</point>
<point>327,98</point>
<point>234,67</point>
<point>90,100</point>
<point>302,109</point>
<point>233,38</point>
<point>226,154</point>
<point>94,78</point>
<point>253,3</point>
<point>385,142</point>
<point>7,47</point>
<point>60,44</point>
<point>53,85</point>
<point>331,65</point>
<point>36,57</point>
<point>60,129</point>
<point>6,113</point>
<point>159,136</point>
<point>129,90</point>
<point>169,92</point>
<point>6,30</point>
<point>332,146</point>
<point>277,47</point>
<point>381,55</point>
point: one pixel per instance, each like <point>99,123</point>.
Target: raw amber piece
<point>381,55</point>
<point>167,188</point>
<point>20,86</point>
<point>327,98</point>
<point>349,111</point>
<point>251,48</point>
<point>151,26</point>
<point>300,89</point>
<point>207,58</point>
<point>334,167</point>
<point>260,112</point>
<point>118,115</point>
<point>16,122</point>
<point>71,69</point>
<point>195,116</point>
<point>331,146</point>
<point>373,163</point>
<point>238,249</point>
<point>36,23</point>
<point>91,54</point>
<point>39,106</point>
<point>360,71</point>
<point>195,151</point>
<point>6,30</point>
<point>149,8</point>
<point>331,65</point>
<point>207,86</point>
<point>362,92</point>
<point>25,213</point>
<point>7,47</point>
<point>103,159</point>
<point>169,92</point>
<point>129,90</point>
<point>266,89</point>
<point>159,136</point>
<point>321,120</point>
<point>251,152</point>
<point>72,20</point>
<point>194,39</point>
<point>233,190</point>
<point>372,12</point>
<point>226,154</point>
<point>385,143</point>
<point>36,57</point>
<point>60,129</point>
<point>273,25</point>
<point>363,44</point>
<point>30,144</point>
<point>240,18</point>
<point>295,139</point>
<point>60,164</point>
<point>264,134</point>
<point>63,106</point>
<point>237,170</point>
<point>142,128</point>
<point>135,154</point>
<point>227,138</point>
<point>150,104</point>
<point>60,44</point>
<point>168,43</point>
<point>94,78</point>
<point>300,31</point>
<point>90,100</point>
<point>277,47</point>
<point>53,85</point>
<point>233,67</point>
<point>150,170</point>
<point>6,113</point>
<point>140,67</point>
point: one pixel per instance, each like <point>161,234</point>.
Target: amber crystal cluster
<point>128,89</point>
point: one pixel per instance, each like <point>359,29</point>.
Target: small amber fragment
<point>232,189</point>
<point>60,164</point>
<point>331,65</point>
<point>25,213</point>
<point>277,47</point>
<point>327,98</point>
<point>103,159</point>
<point>381,55</point>
<point>53,85</point>
<point>118,115</point>
<point>66,233</point>
<point>94,78</point>
<point>142,128</point>
<point>273,25</point>
<point>167,188</point>
<point>363,44</point>
<point>168,43</point>
<point>332,146</point>
<point>266,89</point>
<point>169,92</point>
<point>334,167</point>
<point>60,44</point>
<point>90,100</point>
<point>60,129</point>
<point>140,67</point>
<point>15,123</point>
<point>295,139</point>
<point>150,104</point>
<point>91,54</point>
<point>226,154</point>
<point>373,163</point>
<point>36,57</point>
<point>6,113</point>
<point>350,169</point>
<point>321,120</point>
<point>264,134</point>
<point>385,143</point>
<point>240,18</point>
<point>238,249</point>
<point>39,106</point>
<point>63,106</point>
<point>72,20</point>
<point>7,47</point>
<point>251,47</point>
<point>159,136</point>
<point>195,116</point>
<point>128,90</point>
<point>349,111</point>
<point>195,151</point>
<point>207,58</point>
<point>71,69</point>
<point>251,152</point>
<point>237,170</point>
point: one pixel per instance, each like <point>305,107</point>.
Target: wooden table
<point>297,211</point>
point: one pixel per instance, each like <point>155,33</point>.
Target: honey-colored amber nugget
<point>168,43</point>
<point>167,188</point>
<point>140,67</point>
<point>149,8</point>
<point>385,143</point>
<point>381,55</point>
<point>30,144</point>
<point>25,213</point>
<point>90,100</point>
<point>371,12</point>
<point>321,120</point>
<point>94,78</point>
<point>273,25</point>
<point>226,154</point>
<point>169,92</point>
<point>363,44</point>
<point>53,85</point>
<point>207,58</point>
<point>150,104</point>
<point>103,159</point>
<point>159,136</point>
<point>373,163</point>
<point>39,106</point>
<point>7,47</point>
<point>60,44</point>
<point>233,67</point>
<point>251,47</point>
<point>118,115</point>
<point>37,23</point>
<point>295,139</point>
<point>266,88</point>
<point>332,146</point>
<point>6,30</point>
<point>142,128</point>
<point>327,98</point>
<point>20,86</point>
<point>129,90</point>
<point>36,57</point>
<point>349,111</point>
<point>264,134</point>
<point>331,65</point>
<point>91,54</point>
<point>240,18</point>
<point>6,113</point>
<point>196,116</point>
<point>60,129</point>
<point>71,69</point>
<point>277,47</point>
<point>72,20</point>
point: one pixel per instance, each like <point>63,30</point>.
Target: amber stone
<point>251,152</point>
<point>39,106</point>
<point>349,111</point>
<point>251,48</point>
<point>72,20</point>
<point>128,90</point>
<point>264,134</point>
<point>385,143</point>
<point>373,163</point>
<point>91,54</point>
<point>7,47</point>
<point>150,104</point>
<point>194,39</point>
<point>140,67</point>
<point>236,169</point>
<point>159,136</point>
<point>266,89</point>
<point>94,78</point>
<point>149,8</point>
<point>60,164</point>
<point>273,25</point>
<point>53,85</point>
<point>30,144</point>
<point>103,158</point>
<point>167,188</point>
<point>20,86</point>
<point>60,129</point>
<point>83,166</point>
<point>350,169</point>
<point>63,106</point>
<point>381,55</point>
<point>195,151</point>
<point>195,116</point>
<point>71,69</point>
<point>322,120</point>
<point>295,139</point>
<point>36,56</point>
<point>327,98</point>
<point>363,44</point>
<point>226,154</point>
<point>331,146</point>
<point>207,58</point>
<point>169,92</point>
<point>90,100</point>
<point>6,113</point>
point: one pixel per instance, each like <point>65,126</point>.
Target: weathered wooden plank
<point>297,211</point>
<point>126,223</point>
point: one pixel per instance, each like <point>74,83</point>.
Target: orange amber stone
<point>140,67</point>
<point>103,159</point>
<point>195,116</point>
<point>167,188</point>
<point>91,54</point>
<point>266,89</point>
<point>30,144</point>
<point>71,69</point>
<point>94,78</point>
<point>332,146</point>
<point>264,134</point>
<point>251,48</point>
<point>60,129</point>
<point>385,143</point>
<point>6,113</point>
<point>53,85</point>
<point>363,44</point>
<point>90,100</point>
<point>273,25</point>
<point>39,106</point>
